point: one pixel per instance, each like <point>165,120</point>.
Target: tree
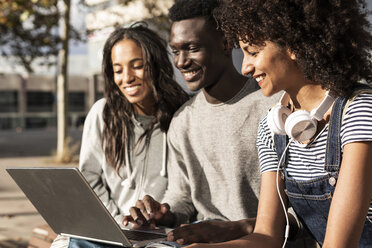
<point>29,30</point>
<point>156,11</point>
<point>62,81</point>
<point>123,12</point>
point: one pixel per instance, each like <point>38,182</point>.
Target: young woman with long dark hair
<point>124,152</point>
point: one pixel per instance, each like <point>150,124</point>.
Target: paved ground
<point>17,215</point>
<point>32,143</point>
<point>31,148</point>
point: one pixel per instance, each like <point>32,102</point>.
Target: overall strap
<point>333,154</point>
<point>333,148</point>
<point>280,143</point>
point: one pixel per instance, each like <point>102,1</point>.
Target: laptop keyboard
<point>141,236</point>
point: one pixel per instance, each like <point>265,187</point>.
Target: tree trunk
<point>62,82</point>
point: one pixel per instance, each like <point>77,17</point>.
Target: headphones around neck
<point>299,125</point>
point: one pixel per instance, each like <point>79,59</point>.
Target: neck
<point>307,97</point>
<point>228,85</point>
<point>146,107</point>
<point>144,111</point>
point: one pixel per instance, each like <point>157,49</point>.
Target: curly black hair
<point>331,38</point>
<point>169,96</point>
<point>187,9</point>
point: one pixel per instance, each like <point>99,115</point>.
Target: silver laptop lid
<point>67,203</point>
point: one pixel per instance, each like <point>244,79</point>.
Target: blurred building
<point>30,102</point>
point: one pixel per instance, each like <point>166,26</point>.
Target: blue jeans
<point>81,243</point>
<point>311,199</point>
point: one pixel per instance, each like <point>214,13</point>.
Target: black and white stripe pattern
<point>305,163</point>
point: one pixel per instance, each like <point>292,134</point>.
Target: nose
<point>247,67</point>
<point>181,60</point>
<point>128,76</point>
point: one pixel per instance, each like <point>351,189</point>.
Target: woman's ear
<point>291,54</point>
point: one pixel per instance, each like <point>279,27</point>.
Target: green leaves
<point>29,29</point>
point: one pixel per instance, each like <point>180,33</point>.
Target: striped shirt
<point>306,163</point>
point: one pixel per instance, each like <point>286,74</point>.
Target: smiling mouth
<point>132,90</point>
<point>260,78</point>
<point>190,75</point>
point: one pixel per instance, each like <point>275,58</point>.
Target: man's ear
<point>226,47</point>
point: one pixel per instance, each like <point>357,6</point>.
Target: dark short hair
<point>187,9</point>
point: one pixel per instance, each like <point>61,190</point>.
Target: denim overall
<point>311,199</point>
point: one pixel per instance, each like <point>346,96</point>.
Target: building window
<point>8,101</point>
<point>40,101</point>
<point>41,122</point>
<point>5,123</point>
<point>76,101</point>
<point>36,122</point>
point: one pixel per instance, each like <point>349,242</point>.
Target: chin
<point>194,86</point>
<point>267,92</point>
<point>133,100</point>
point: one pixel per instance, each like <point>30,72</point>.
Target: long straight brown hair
<point>169,96</point>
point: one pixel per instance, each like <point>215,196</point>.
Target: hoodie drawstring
<point>163,171</point>
<point>129,181</point>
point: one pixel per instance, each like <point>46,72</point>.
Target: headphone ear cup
<point>300,126</point>
<point>276,119</point>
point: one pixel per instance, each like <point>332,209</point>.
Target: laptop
<point>71,208</point>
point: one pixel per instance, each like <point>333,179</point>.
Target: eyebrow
<point>131,61</point>
<point>186,45</point>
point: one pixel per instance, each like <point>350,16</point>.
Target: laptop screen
<point>67,203</point>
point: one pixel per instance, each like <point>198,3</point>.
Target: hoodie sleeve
<point>92,156</point>
<point>178,194</point>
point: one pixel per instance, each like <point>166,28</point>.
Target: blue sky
<point>78,21</point>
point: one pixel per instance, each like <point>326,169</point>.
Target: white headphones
<point>300,125</point>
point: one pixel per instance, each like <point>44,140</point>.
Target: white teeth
<point>258,79</point>
<point>190,73</point>
<point>131,88</point>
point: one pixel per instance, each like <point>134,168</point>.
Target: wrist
<point>168,220</point>
<point>247,225</point>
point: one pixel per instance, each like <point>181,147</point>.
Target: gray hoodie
<point>141,176</point>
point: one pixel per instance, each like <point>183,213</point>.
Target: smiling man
<point>213,164</point>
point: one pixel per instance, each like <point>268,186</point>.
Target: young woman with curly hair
<point>124,152</point>
<point>318,52</point>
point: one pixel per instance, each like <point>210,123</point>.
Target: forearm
<point>231,230</point>
<point>269,226</point>
<point>253,240</point>
<point>244,227</point>
<point>207,232</point>
<point>270,223</point>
